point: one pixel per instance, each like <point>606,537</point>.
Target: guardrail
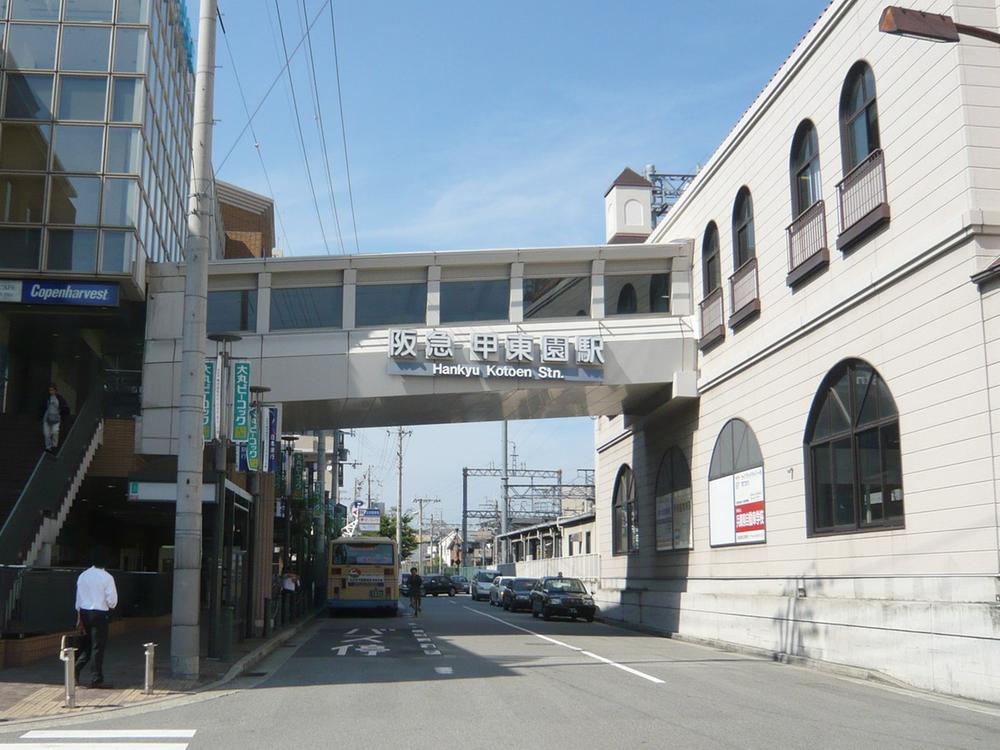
<point>744,294</point>
<point>807,247</point>
<point>713,319</point>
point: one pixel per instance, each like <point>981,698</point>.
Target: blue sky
<point>484,124</point>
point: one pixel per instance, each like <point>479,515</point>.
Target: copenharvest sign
<point>518,356</point>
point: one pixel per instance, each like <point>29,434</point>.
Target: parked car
<point>498,585</point>
<point>438,584</point>
<point>461,584</point>
<point>404,585</point>
<point>481,583</point>
<point>517,594</point>
<point>555,596</point>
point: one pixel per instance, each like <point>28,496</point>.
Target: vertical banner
<point>298,476</point>
<point>211,411</point>
<point>272,439</point>
<point>241,400</point>
<point>253,442</point>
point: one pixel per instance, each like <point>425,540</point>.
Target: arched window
<point>855,477</point>
<point>858,116</point>
<point>736,487</point>
<point>625,510</point>
<point>711,272</point>
<point>743,238</point>
<point>673,502</point>
<point>805,168</point>
<point>627,302</point>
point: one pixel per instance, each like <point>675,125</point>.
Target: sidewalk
<point>36,690</point>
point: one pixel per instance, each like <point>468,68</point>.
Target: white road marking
<point>609,662</point>
<point>352,631</point>
<point>108,734</point>
<point>444,670</point>
<point>94,746</point>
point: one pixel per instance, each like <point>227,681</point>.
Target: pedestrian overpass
<point>437,337</point>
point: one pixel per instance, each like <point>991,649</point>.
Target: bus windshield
<point>363,554</point>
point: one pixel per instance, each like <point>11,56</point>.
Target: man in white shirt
<point>96,596</point>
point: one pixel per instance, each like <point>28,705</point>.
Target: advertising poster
<point>682,519</point>
<point>253,443</point>
<point>241,401</point>
<point>721,529</point>
<point>748,504</point>
<point>664,522</point>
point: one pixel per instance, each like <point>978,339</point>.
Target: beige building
<point>831,493</point>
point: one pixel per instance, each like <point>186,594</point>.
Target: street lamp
<point>255,523</point>
<point>288,441</point>
<point>932,27</point>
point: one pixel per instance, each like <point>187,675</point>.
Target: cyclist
<point>416,582</point>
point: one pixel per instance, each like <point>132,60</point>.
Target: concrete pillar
<point>516,311</point>
<point>350,286</point>
<point>597,289</point>
<point>263,303</point>
<point>433,316</point>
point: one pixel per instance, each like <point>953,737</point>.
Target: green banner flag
<point>210,409</point>
<point>241,401</point>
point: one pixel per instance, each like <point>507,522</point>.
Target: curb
<point>239,667</point>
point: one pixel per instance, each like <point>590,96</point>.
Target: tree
<point>387,527</point>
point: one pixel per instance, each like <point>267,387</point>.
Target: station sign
<point>53,292</point>
<point>491,356</point>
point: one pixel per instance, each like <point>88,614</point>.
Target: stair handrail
<point>46,488</point>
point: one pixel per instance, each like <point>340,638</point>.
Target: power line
<point>277,77</point>
<point>343,128</point>
<point>253,134</point>
<point>298,125</point>
<point>318,109</point>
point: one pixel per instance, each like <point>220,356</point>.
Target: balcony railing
<point>807,250</point>
<point>862,199</point>
<point>713,324</point>
<point>744,293</point>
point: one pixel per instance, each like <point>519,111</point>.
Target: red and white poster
<point>748,505</point>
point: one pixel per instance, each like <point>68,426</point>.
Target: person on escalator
<point>54,411</point>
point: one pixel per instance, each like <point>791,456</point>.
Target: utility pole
<point>400,433</point>
<point>320,552</point>
<point>185,626</point>
<point>505,499</point>
<point>421,501</point>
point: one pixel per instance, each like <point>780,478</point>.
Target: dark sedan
<point>516,594</point>
<point>461,584</point>
<point>438,584</point>
<point>556,596</point>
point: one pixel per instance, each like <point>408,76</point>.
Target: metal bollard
<point>67,655</point>
<point>147,683</point>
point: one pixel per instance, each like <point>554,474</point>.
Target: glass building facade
<point>95,134</point>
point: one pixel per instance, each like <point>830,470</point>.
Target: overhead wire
<point>270,88</point>
<point>343,129</point>
<point>298,126</point>
<point>318,111</point>
<point>253,133</point>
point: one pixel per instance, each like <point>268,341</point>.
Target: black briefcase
<point>79,641</point>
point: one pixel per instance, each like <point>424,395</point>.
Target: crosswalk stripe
<point>94,745</point>
<point>108,734</point>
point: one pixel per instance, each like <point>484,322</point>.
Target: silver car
<point>481,583</point>
<point>498,585</point>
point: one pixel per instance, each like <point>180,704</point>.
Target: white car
<point>498,585</point>
<point>481,583</point>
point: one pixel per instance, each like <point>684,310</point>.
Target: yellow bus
<point>363,574</point>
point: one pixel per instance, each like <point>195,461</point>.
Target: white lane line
<point>108,734</point>
<point>444,670</point>
<point>94,745</point>
<point>609,662</point>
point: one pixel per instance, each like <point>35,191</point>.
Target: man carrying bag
<point>96,596</point>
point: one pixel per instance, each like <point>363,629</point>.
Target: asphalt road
<point>469,675</point>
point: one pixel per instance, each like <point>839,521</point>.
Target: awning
<point>166,492</point>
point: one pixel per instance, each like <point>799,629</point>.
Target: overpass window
<point>390,304</point>
<point>307,307</point>
<point>637,294</point>
<point>557,297</point>
<point>853,453</point>
<point>463,301</point>
<point>625,513</point>
<point>234,310</point>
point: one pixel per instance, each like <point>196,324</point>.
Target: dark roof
<point>629,178</point>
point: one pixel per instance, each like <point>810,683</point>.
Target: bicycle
<point>415,604</point>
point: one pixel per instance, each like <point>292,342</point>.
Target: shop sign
<point>51,292</point>
<point>253,443</point>
<point>211,413</point>
<point>271,438</point>
<point>241,401</point>
<point>436,353</point>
